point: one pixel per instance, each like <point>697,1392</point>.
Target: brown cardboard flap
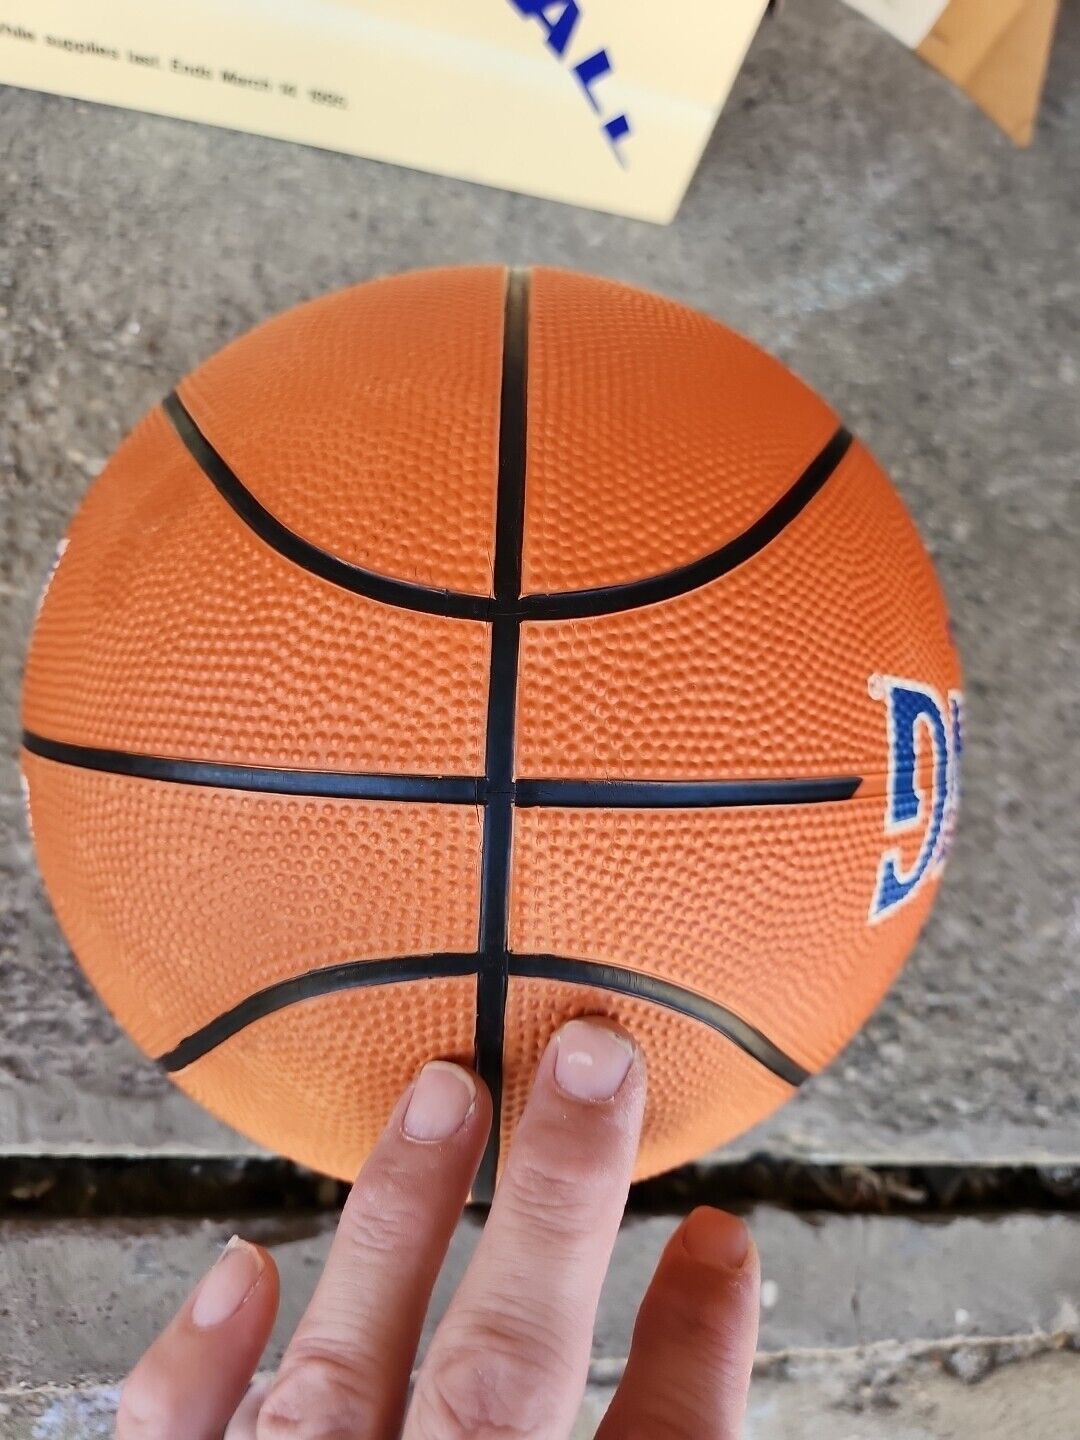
<point>997,51</point>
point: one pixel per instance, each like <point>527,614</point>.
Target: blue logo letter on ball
<point>914,711</point>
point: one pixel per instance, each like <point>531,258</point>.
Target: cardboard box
<point>605,103</point>
<point>995,50</point>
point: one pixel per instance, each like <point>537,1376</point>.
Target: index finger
<point>347,1366</point>
<point>512,1351</point>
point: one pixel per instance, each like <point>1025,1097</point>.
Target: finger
<point>193,1376</point>
<point>511,1355</point>
<point>350,1359</point>
<point>242,1426</point>
<point>694,1341</point>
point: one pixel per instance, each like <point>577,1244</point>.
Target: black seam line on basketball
<point>404,969</point>
<point>447,789</point>
<point>271,780</point>
<point>610,599</point>
<point>564,605</point>
<point>671,996</point>
<point>491,980</point>
<point>352,975</point>
<point>682,794</point>
<point>431,600</point>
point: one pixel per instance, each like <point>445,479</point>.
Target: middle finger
<point>511,1354</point>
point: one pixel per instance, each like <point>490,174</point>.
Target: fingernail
<point>717,1239</point>
<point>442,1097</point>
<point>592,1059</point>
<point>235,1274</point>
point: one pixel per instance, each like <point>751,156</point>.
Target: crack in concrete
<point>85,1186</point>
<point>967,1359</point>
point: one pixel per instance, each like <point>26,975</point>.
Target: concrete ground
<point>871,1327</point>
<point>855,215</point>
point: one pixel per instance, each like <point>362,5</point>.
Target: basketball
<point>469,650</point>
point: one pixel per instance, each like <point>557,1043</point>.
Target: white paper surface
<point>909,20</point>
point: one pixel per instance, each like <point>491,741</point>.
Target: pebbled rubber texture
<point>721,901</point>
<point>763,672</point>
<point>363,421</point>
<point>681,436</point>
<point>371,425</point>
<point>172,877</point>
<point>701,1086</point>
<point>334,1066</point>
<point>170,630</point>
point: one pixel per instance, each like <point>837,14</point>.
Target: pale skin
<point>510,1358</point>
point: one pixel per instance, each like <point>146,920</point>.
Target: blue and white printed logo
<point>559,20</point>
<point>917,715</point>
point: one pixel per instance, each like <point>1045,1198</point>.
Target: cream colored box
<point>605,103</point>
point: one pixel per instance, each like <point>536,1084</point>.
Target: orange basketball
<point>469,650</point>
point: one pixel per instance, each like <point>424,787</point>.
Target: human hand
<point>510,1358</point>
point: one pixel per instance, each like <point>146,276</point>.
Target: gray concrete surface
<point>862,1315</point>
<point>899,1395</point>
<point>855,215</point>
<point>893,1394</point>
<point>82,1298</point>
